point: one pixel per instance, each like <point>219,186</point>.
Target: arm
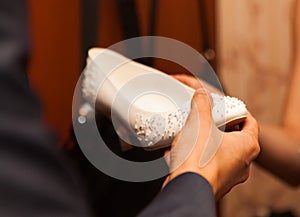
<point>187,195</point>
<point>280,152</point>
<point>280,145</point>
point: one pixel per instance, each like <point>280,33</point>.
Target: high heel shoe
<point>148,107</point>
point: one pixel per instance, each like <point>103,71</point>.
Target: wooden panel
<point>175,19</point>
<point>110,31</point>
<point>173,22</point>
<point>255,44</point>
<point>255,51</point>
<point>55,60</point>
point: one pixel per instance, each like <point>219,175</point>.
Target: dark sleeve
<point>35,180</point>
<point>187,195</point>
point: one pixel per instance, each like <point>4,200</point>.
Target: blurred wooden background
<point>55,58</point>
<point>56,40</point>
<point>254,56</point>
<point>255,43</point>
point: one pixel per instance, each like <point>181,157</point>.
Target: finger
<point>189,142</point>
<point>167,180</point>
<point>196,83</point>
<point>167,157</point>
<point>199,122</point>
<point>201,105</point>
<point>250,129</point>
<point>250,125</point>
<point>188,80</point>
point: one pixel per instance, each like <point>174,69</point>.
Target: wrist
<point>206,173</point>
<point>211,178</point>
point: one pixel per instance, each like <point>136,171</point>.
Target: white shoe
<point>147,106</point>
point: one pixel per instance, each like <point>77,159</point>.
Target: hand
<point>196,83</point>
<point>230,165</point>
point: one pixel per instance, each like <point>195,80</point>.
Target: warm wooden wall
<point>55,59</point>
<point>255,44</point>
<point>176,19</point>
<point>55,62</point>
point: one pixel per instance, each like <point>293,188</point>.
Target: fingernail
<point>201,91</point>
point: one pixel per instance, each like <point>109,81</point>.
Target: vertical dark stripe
<point>89,26</point>
<point>130,25</point>
<point>129,18</point>
<point>152,30</point>
<point>153,17</point>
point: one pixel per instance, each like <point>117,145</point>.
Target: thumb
<point>201,107</point>
<point>189,142</point>
<point>199,119</point>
